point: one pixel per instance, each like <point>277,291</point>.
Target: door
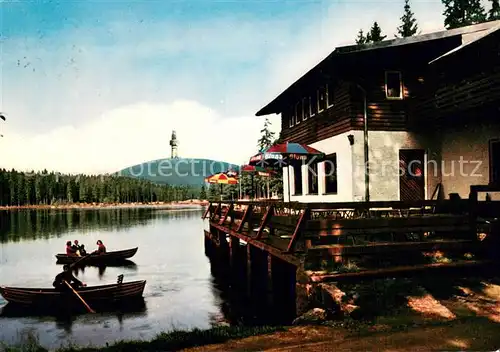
<point>411,175</point>
<point>495,161</point>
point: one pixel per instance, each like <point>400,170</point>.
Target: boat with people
<point>98,258</point>
<point>102,295</point>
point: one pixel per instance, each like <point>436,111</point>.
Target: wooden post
<point>215,211</point>
<point>304,217</point>
<point>246,215</point>
<point>230,209</point>
<point>265,220</point>
<point>207,211</point>
<point>473,198</point>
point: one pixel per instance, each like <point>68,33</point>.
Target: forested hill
<point>177,171</point>
<point>23,188</point>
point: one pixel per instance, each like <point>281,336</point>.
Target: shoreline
<point>83,206</point>
<point>433,335</point>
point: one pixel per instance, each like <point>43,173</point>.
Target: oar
<point>79,260</point>
<point>80,297</point>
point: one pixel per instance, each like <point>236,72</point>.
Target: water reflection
<point>64,321</point>
<point>28,225</point>
<point>128,264</point>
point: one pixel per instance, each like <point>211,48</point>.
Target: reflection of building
<point>398,119</point>
<point>173,145</point>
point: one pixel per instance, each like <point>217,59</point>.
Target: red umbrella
<point>283,154</point>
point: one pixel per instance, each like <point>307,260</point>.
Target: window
<point>298,112</point>
<point>321,99</point>
<point>291,117</point>
<point>297,178</point>
<point>312,177</point>
<point>307,108</point>
<point>314,105</point>
<point>329,92</point>
<point>331,174</point>
<point>393,85</point>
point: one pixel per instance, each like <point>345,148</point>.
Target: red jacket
<point>69,250</point>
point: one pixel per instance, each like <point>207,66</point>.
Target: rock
<point>313,316</point>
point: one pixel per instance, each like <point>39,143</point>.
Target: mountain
<point>177,171</point>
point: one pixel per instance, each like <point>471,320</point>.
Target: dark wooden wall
<point>462,84</point>
<point>330,122</point>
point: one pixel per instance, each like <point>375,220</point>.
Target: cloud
<point>130,134</point>
<point>97,98</point>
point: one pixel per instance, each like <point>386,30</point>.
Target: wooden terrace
<point>352,241</point>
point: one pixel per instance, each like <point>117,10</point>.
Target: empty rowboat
<point>94,295</point>
<point>109,257</point>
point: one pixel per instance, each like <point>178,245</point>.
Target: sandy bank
<point>163,205</point>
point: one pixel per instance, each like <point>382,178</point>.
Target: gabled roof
<point>487,28</point>
<point>476,39</point>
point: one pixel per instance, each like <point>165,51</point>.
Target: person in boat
<point>83,252</point>
<point>67,275</point>
<point>78,248</point>
<point>70,252</point>
<point>101,248</point>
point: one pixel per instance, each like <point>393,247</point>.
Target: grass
<point>168,341</point>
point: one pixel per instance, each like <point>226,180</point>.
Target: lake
<point>180,292</point>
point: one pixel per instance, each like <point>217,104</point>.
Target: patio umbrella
<point>260,171</point>
<point>223,179</point>
<point>284,154</point>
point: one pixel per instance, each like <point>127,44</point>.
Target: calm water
<point>180,290</point>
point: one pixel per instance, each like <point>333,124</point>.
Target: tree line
<point>19,188</point>
<point>457,13</point>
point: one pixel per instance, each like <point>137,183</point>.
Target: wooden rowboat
<point>109,257</point>
<point>94,295</point>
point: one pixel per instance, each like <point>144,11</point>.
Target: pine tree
<point>375,34</point>
<point>267,136</point>
<point>360,39</point>
<point>203,192</point>
<point>409,25</point>
<point>494,13</point>
<point>460,13</point>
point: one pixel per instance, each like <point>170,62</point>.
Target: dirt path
<point>475,335</point>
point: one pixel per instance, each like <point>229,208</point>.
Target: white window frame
<point>304,116</point>
<point>317,99</point>
<point>329,103</point>
<point>401,93</point>
<point>297,119</point>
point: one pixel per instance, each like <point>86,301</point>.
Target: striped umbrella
<point>284,154</point>
<point>222,179</point>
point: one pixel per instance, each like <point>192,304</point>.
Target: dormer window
<point>321,99</point>
<point>393,85</point>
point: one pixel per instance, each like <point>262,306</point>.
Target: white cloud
<point>130,134</point>
<point>81,105</point>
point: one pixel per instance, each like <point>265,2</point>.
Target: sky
<point>96,86</point>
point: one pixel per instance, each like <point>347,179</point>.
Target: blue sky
<point>93,86</point>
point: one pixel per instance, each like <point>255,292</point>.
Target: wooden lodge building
<point>422,112</point>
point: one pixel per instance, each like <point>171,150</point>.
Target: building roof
<point>479,37</point>
<point>465,32</point>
